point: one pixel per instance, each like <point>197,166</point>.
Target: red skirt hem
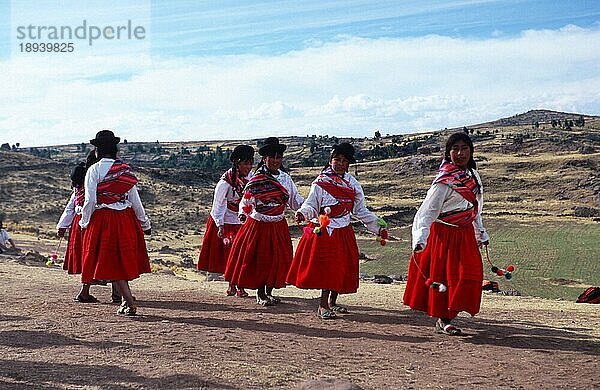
<point>451,257</point>
<point>114,247</point>
<point>260,255</point>
<point>326,262</point>
<point>213,252</point>
<point>73,254</point>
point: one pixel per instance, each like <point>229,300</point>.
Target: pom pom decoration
<point>247,195</point>
<point>384,234</point>
<point>381,223</point>
<point>226,241</point>
<point>382,242</point>
<point>324,221</point>
<point>50,263</point>
<point>507,273</point>
<point>317,231</point>
<point>441,287</point>
<point>307,230</point>
<point>247,208</point>
<point>327,210</point>
<point>53,256</point>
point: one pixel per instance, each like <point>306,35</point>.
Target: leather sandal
<point>126,310</point>
<point>447,329</point>
<point>231,291</point>
<point>326,314</point>
<point>263,302</point>
<point>85,299</point>
<point>339,309</point>
<point>241,293</point>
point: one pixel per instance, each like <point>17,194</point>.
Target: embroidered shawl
<point>463,182</point>
<point>238,187</point>
<point>340,189</point>
<point>79,195</point>
<point>117,182</point>
<point>271,196</point>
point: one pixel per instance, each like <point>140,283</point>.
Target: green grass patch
<point>552,260</point>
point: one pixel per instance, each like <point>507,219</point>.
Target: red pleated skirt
<point>213,252</point>
<point>326,262</point>
<point>451,257</point>
<point>72,263</point>
<point>260,255</point>
<point>114,247</point>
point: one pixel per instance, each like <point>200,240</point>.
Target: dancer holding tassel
<point>445,271</point>
<point>327,254</point>
<point>223,222</point>
<point>262,249</point>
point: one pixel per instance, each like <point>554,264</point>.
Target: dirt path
<point>189,335</point>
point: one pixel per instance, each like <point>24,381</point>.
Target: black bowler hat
<point>105,137</point>
<point>271,146</point>
<point>242,153</point>
<point>346,150</point>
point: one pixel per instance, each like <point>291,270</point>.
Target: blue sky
<point>249,69</point>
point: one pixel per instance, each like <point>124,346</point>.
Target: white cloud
<point>347,87</point>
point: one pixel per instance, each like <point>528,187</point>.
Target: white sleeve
<point>360,210</point>
<point>428,212</point>
<point>311,206</point>
<point>219,205</point>
<point>89,204</point>
<point>480,233</point>
<point>136,204</point>
<point>295,200</point>
<point>68,214</point>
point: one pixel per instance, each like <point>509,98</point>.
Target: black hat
<point>105,137</point>
<point>242,153</point>
<point>346,150</point>
<point>271,146</point>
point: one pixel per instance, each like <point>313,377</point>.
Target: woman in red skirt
<point>114,221</point>
<point>223,222</point>
<point>70,220</point>
<point>445,272</point>
<point>327,254</point>
<point>261,253</point>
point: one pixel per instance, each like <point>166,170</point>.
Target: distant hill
<point>536,116</point>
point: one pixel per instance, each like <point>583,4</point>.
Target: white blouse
<point>319,198</point>
<point>93,176</point>
<point>294,202</point>
<point>71,209</point>
<point>224,193</point>
<point>441,199</point>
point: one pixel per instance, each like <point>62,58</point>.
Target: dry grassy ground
<point>189,335</point>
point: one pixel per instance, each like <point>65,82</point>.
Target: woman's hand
<point>242,218</point>
<point>485,243</point>
<point>418,248</point>
<point>148,232</point>
<point>221,231</point>
<point>299,217</point>
<point>61,232</point>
